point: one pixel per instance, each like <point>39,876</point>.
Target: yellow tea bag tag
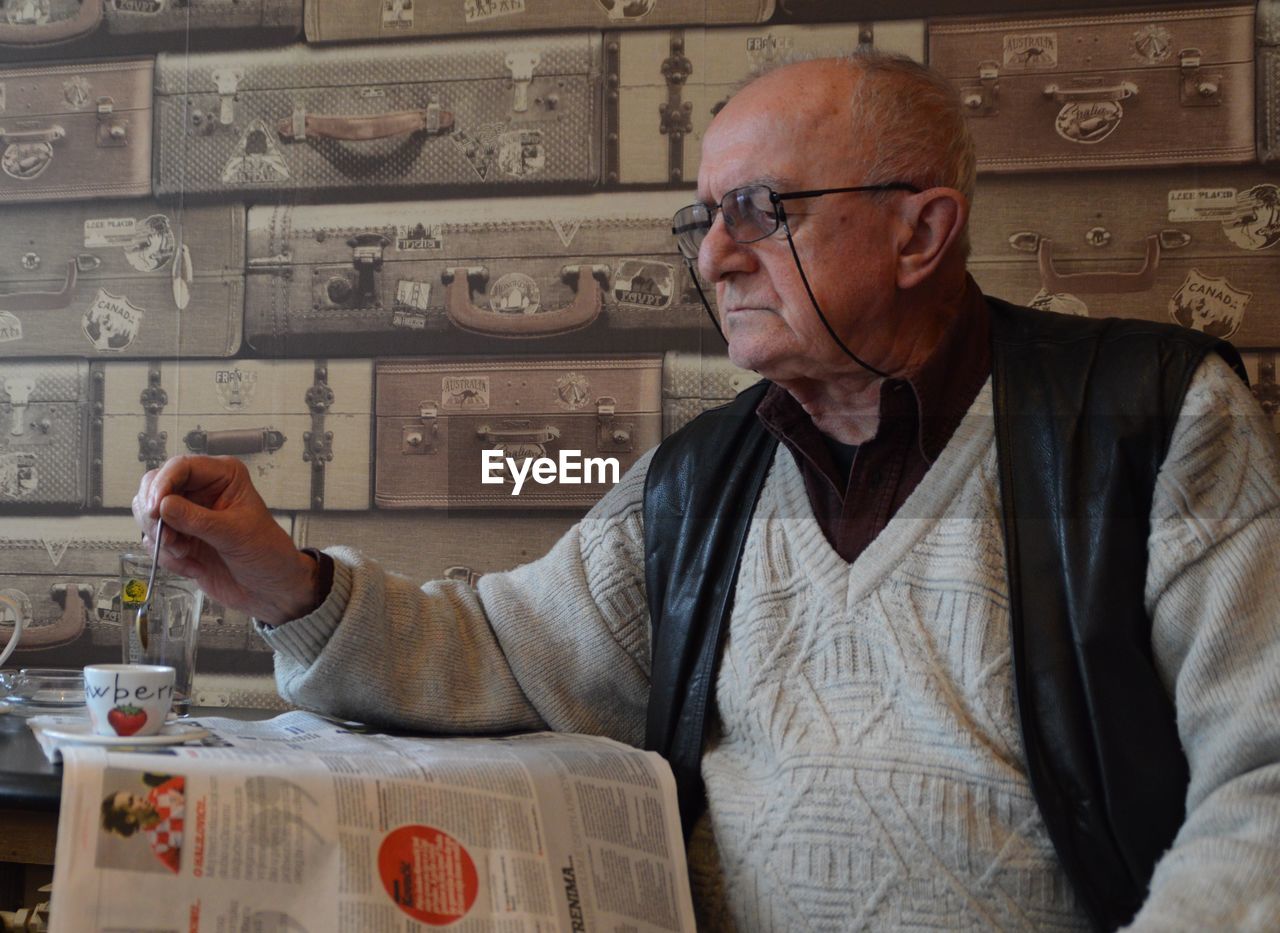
<point>134,593</point>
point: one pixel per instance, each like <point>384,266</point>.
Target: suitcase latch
<point>611,434</point>
<point>1199,88</point>
<point>676,116</point>
<point>421,438</point>
<point>521,65</point>
<point>1171,238</point>
<point>19,389</point>
<point>980,99</point>
<point>1025,241</point>
<point>462,575</point>
<point>228,81</point>
<point>366,255</point>
<point>113,131</point>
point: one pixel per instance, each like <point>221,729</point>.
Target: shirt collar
<point>942,388</point>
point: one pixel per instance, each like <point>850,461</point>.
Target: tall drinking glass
<point>171,626</point>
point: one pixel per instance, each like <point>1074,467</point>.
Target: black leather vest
<point>1085,410</point>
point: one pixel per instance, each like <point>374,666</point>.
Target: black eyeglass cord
<point>782,222</point>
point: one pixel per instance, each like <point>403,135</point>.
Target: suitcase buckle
<point>612,434</point>
<point>521,65</point>
<point>366,255</point>
<point>113,131</point>
<point>462,575</point>
<point>228,81</point>
<point>19,389</point>
<point>980,99</point>
<point>421,438</point>
<point>1199,88</point>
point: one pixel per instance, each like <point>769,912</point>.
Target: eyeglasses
<point>751,213</point>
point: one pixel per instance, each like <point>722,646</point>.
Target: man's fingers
<point>192,477</point>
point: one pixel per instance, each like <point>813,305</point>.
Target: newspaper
<point>300,825</point>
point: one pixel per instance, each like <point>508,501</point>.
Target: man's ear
<point>935,220</point>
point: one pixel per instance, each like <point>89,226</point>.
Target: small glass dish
<point>42,689</point>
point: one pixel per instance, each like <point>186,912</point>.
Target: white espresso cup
<point>128,699</point>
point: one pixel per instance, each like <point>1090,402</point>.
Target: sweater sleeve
<point>559,643</point>
<point>1213,592</point>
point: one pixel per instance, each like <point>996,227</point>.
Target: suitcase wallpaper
<point>358,243</point>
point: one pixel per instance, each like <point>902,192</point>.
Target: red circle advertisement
<point>429,874</point>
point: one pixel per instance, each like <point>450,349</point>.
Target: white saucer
<point>174,733</point>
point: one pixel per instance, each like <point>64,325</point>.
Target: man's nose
<point>720,254</point>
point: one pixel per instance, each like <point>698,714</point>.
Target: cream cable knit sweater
<point>865,769</point>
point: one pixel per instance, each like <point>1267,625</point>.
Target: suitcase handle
<point>524,432</point>
<point>66,628</point>
<point>584,309</point>
<point>1085,282</point>
<point>83,23</point>
<point>1122,91</point>
<point>44,301</point>
<point>50,134</point>
<point>234,442</point>
<point>303,125</point>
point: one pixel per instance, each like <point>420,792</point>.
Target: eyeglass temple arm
<point>775,197</point>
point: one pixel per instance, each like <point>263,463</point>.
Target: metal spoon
<point>140,620</point>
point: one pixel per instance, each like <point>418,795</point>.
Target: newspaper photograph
<point>300,825</point>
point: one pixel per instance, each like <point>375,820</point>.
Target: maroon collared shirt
<point>856,490</point>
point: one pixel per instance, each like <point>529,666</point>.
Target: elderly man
<point>962,619</point>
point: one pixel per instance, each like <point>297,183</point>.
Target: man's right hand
<point>219,533</point>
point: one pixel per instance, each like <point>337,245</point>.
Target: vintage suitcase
<point>671,83</point>
<point>590,273</point>
<point>1104,90</point>
<point>339,20</point>
<point>75,28</point>
<point>823,11</point>
<point>405,117</point>
<point>75,130</point>
<point>436,417</point>
<point>1261,368</point>
<point>693,383</point>
<point>44,410</point>
<point>1193,246</point>
<point>439,545</point>
<point>1267,34</point>
<point>61,574</point>
<point>122,279</point>
<point>301,426</point>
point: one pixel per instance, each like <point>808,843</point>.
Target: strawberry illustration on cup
<point>127,719</point>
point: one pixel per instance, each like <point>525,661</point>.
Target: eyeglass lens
<point>749,215</point>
